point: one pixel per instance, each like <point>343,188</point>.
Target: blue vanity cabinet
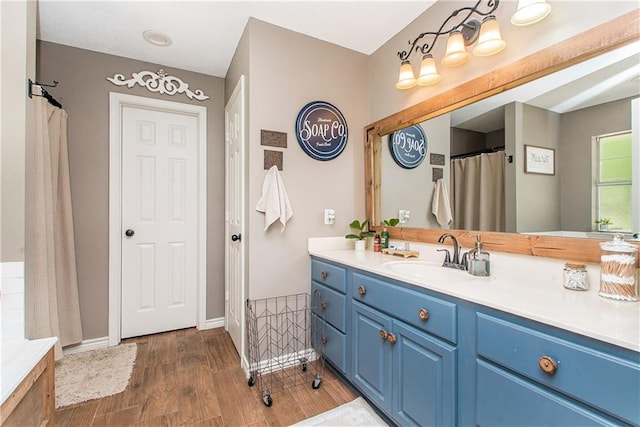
<point>405,371</point>
<point>329,301</point>
<point>532,374</point>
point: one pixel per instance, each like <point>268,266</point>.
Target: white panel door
<point>159,221</point>
<point>234,209</point>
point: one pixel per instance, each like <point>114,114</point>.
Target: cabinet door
<point>371,355</point>
<point>424,380</point>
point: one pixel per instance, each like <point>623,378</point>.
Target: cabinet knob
<point>384,334</point>
<point>362,290</point>
<point>548,365</point>
<point>323,274</point>
<point>392,338</point>
<point>323,305</point>
<point>423,314</point>
<point>324,340</point>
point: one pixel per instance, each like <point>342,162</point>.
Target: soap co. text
<point>408,146</point>
<point>321,130</point>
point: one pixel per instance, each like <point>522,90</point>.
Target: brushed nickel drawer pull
<point>384,334</point>
<point>392,338</point>
<point>423,314</point>
<point>323,274</point>
<point>548,365</point>
<point>323,305</point>
<point>362,290</point>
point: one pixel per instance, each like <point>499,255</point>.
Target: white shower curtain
<point>51,287</point>
<point>478,192</point>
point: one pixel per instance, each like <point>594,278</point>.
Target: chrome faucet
<point>452,260</point>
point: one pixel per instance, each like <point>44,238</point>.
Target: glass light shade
<point>530,11</point>
<point>406,78</point>
<point>489,41</point>
<point>456,52</point>
<point>428,72</point>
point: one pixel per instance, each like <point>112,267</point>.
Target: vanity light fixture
<point>462,31</point>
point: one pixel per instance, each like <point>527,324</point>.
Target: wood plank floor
<point>194,378</point>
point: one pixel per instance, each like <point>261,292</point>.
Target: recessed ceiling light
<point>156,38</point>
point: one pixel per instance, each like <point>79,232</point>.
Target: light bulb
<point>489,41</point>
<point>456,52</point>
<point>530,11</point>
<point>406,78</point>
<point>428,72</point>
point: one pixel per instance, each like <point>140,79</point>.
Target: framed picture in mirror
<point>539,160</point>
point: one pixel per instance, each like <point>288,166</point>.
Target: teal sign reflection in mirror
<point>408,146</point>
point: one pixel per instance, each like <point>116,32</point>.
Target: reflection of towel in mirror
<point>274,201</point>
<point>440,205</point>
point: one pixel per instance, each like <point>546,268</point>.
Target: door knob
<point>236,237</point>
<point>129,232</point>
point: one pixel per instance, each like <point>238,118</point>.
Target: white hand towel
<point>440,206</point>
<point>274,201</point>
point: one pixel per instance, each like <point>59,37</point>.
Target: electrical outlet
<point>329,216</point>
<point>404,215</point>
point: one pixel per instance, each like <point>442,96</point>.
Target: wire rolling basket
<point>285,342</point>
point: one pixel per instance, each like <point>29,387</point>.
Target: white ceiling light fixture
<point>157,38</point>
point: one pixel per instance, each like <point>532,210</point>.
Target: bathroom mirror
<point>577,50</point>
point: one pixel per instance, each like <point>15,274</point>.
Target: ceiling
<point>205,33</point>
<point>608,77</point>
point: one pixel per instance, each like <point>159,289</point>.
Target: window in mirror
<point>613,183</point>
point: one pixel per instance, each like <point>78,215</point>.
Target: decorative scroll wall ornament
<point>158,82</point>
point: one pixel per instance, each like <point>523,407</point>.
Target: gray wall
<point>17,41</point>
<point>538,196</point>
<point>84,93</point>
<point>280,83</point>
<point>575,158</point>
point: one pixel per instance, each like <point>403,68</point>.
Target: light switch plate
<point>329,216</point>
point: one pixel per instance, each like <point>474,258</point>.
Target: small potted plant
<point>360,235</point>
<point>603,224</point>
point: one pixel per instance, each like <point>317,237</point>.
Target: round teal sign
<point>408,146</point>
<point>321,130</point>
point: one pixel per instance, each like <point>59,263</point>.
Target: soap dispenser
<point>479,263</point>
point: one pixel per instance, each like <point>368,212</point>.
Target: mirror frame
<point>605,37</point>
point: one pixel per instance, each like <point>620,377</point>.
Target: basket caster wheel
<point>315,384</point>
<point>304,367</point>
<point>251,381</point>
<point>268,401</point>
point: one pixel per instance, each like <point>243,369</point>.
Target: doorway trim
<point>116,103</point>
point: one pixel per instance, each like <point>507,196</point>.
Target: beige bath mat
<point>93,374</point>
<point>355,413</point>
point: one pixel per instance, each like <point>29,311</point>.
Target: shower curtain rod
<point>43,92</point>
<point>475,153</point>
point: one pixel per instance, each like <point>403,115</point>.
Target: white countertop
<point>526,286</point>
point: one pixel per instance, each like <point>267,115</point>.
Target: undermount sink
<point>427,270</point>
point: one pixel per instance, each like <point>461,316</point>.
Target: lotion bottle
<point>479,262</point>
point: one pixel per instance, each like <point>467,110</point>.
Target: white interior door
<point>234,210</point>
<point>159,221</point>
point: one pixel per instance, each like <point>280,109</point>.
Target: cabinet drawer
<point>502,399</point>
<point>406,304</point>
<point>334,346</point>
<point>329,304</point>
<point>599,379</point>
<point>329,275</point>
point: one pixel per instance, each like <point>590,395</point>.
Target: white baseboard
<point>214,323</point>
<point>87,345</point>
<point>103,342</point>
